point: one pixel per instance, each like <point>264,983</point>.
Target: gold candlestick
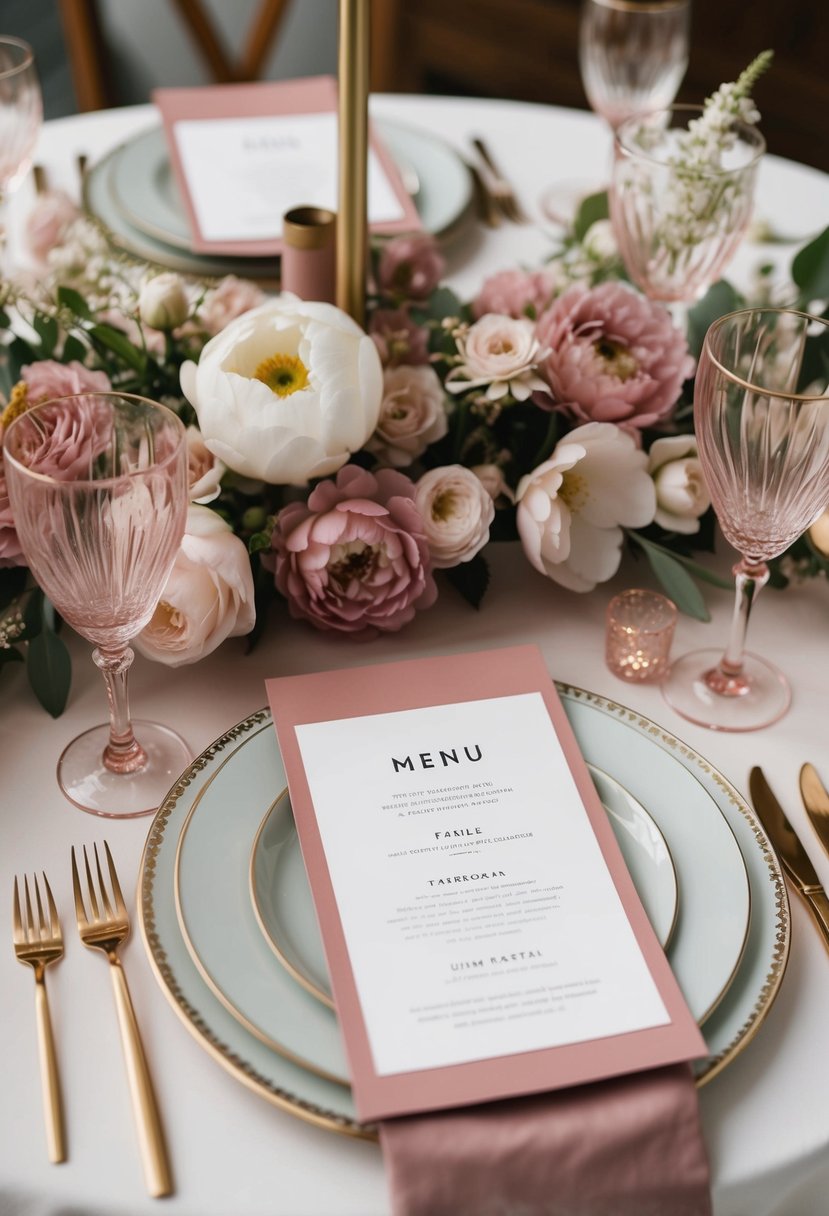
<point>352,213</point>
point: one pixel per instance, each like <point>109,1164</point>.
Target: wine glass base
<point>765,700</point>
<point>91,787</point>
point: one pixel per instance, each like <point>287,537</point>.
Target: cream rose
<point>204,470</point>
<point>163,302</point>
<point>681,493</point>
<point>287,391</point>
<point>457,512</point>
<point>208,596</point>
<point>412,415</point>
<point>501,352</point>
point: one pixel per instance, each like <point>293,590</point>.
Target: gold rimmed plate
<point>652,764</point>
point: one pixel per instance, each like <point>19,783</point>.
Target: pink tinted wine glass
<point>98,490</point>
<point>21,115</point>
<point>761,417</point>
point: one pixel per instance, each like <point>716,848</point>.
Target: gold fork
<point>106,930</point>
<point>498,185</point>
<point>38,947</point>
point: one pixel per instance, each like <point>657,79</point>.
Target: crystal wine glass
<point>98,489</point>
<point>761,416</point>
<point>678,222</point>
<point>21,114</point>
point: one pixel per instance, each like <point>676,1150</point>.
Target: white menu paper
<point>479,913</point>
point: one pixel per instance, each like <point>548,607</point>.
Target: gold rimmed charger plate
<point>636,751</point>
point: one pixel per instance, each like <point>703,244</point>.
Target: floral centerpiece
<point>358,475</point>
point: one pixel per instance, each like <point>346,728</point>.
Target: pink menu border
<point>307,95</point>
<point>418,683</point>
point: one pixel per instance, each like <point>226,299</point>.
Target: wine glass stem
<point>123,753</point>
<point>727,678</point>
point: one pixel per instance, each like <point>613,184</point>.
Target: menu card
<point>482,932</point>
<point>244,154</point>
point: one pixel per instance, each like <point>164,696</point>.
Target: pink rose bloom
<point>516,293</point>
<point>70,435</point>
<point>48,379</point>
<point>47,222</point>
<point>412,415</point>
<point>613,356</point>
<point>229,299</point>
<point>411,266</point>
<point>355,558</point>
<point>11,553</point>
<point>397,338</point>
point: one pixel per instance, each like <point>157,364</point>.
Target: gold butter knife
<point>816,800</point>
<point>793,856</point>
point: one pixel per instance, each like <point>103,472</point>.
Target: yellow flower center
<point>283,374</point>
<point>443,505</point>
<point>616,358</point>
<point>574,490</point>
<point>18,404</point>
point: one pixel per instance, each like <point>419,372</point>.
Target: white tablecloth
<point>766,1117</point>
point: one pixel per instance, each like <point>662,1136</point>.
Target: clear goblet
<point>21,114</point>
<point>678,222</point>
<point>98,490</point>
<point>761,416</point>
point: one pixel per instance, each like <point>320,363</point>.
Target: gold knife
<point>816,801</point>
<point>793,856</point>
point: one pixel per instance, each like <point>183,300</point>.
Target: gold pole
<point>352,211</point>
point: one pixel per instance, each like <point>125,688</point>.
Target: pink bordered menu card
<point>482,932</point>
<point>244,154</point>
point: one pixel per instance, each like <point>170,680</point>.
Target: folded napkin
<point>631,1146</point>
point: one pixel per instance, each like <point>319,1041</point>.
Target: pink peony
<point>228,300</point>
<point>355,558</point>
<point>613,356</point>
<point>48,221</point>
<point>397,338</point>
<point>11,553</point>
<point>411,267</point>
<point>48,379</point>
<point>69,435</point>
<point>516,293</point>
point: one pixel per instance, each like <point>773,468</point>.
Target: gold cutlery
<point>793,856</point>
<point>38,946</point>
<point>106,930</point>
<point>498,186</point>
<point>816,800</point>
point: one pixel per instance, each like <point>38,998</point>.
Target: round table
<point>766,1117</point>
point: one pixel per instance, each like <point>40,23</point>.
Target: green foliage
<point>591,209</point>
<point>810,270</point>
<point>720,298</point>
<point>48,665</point>
<point>470,578</point>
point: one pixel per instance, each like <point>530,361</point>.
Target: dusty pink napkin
<point>631,1146</point>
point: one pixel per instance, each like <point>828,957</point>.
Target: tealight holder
<point>309,253</point>
<point>640,630</point>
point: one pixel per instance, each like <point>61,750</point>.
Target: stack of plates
<point>133,193</point>
<point>230,928</point>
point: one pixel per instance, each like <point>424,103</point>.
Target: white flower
<point>412,414</point>
<point>491,477</point>
<point>571,506</point>
<point>286,391</point>
<point>208,596</point>
<point>204,471</point>
<point>163,302</point>
<point>599,241</point>
<point>501,352</point>
<point>681,493</point>
<point>457,512</point>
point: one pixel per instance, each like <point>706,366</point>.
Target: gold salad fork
<point>499,187</point>
<point>38,946</point>
<point>106,930</point>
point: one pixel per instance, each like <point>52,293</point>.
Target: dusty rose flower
<point>48,379</point>
<point>491,477</point>
<point>681,493</point>
<point>70,434</point>
<point>204,470</point>
<point>613,356</point>
<point>501,353</point>
<point>457,512</point>
<point>397,338</point>
<point>412,415</point>
<point>47,222</point>
<point>354,558</point>
<point>11,553</point>
<point>516,293</point>
<point>227,301</point>
<point>411,266</point>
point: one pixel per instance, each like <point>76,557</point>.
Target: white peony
<point>412,415</point>
<point>456,511</point>
<point>571,507</point>
<point>163,302</point>
<point>501,352</point>
<point>208,596</point>
<point>681,493</point>
<point>287,391</point>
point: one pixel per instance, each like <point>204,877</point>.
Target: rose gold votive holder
<point>309,264</point>
<point>640,630</point>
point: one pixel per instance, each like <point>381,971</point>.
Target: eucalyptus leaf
<point>591,209</point>
<point>49,669</point>
<point>676,581</point>
<point>810,269</point>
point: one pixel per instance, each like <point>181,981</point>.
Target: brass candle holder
<point>352,210</point>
